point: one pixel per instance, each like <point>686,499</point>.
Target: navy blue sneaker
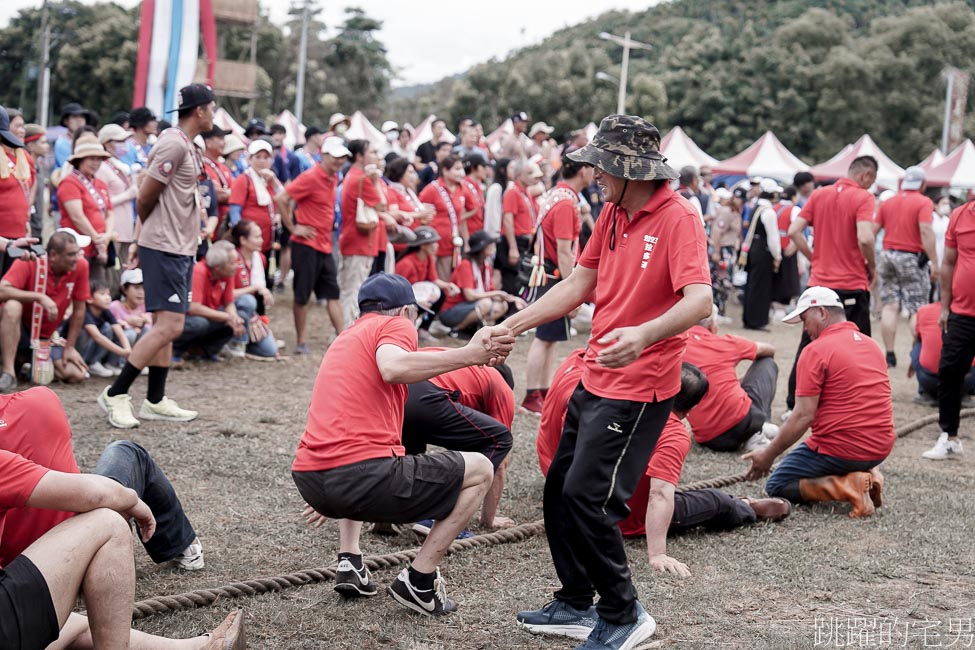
<point>560,618</point>
<point>607,636</point>
<point>423,527</point>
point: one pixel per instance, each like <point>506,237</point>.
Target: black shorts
<point>396,490</point>
<point>435,416</point>
<point>28,619</point>
<point>314,271</point>
<point>556,330</point>
<point>167,279</point>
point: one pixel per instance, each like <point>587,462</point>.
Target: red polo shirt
<point>209,290</point>
<point>561,222</point>
<point>441,220</point>
<point>854,420</point>
<point>73,285</point>
<point>517,202</point>
<point>463,277</point>
<point>783,215</point>
<point>220,174</point>
<point>415,270</point>
<point>475,199</point>
<point>351,241</point>
<point>481,388</point>
<point>242,193</point>
<point>961,237</point>
<point>14,204</point>
<point>18,478</point>
<point>314,192</point>
<point>69,189</point>
<point>834,212</point>
<point>354,414</point>
<point>657,253</point>
<point>37,429</point>
<point>726,403</point>
<point>900,216</point>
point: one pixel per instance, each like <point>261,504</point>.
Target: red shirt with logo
<point>340,431</point>
<point>72,188</point>
<point>847,369</point>
<point>441,220</point>
<point>523,207</point>
<point>34,426</point>
<point>72,286</point>
<point>14,201</point>
<point>655,255</point>
<point>18,478</point>
<point>474,199</point>
<point>561,222</point>
<point>481,388</point>
<point>351,241</point>
<point>314,192</point>
<point>220,174</point>
<point>961,237</point>
<point>834,212</point>
<point>415,270</point>
<point>900,216</point>
<point>209,290</point>
<point>242,193</point>
<point>726,402</point>
<point>466,277</point>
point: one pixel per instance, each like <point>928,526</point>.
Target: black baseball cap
<point>255,126</point>
<point>192,96</point>
<point>479,241</point>
<point>312,131</point>
<point>386,291</point>
<point>215,132</point>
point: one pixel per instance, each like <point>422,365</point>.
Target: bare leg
<point>285,259</point>
<point>301,318</point>
<point>10,333</point>
<point>76,635</point>
<point>489,509</point>
<point>538,367</point>
<point>148,350</point>
<point>349,532</point>
<point>335,314</point>
<point>478,472</point>
<point>888,324</point>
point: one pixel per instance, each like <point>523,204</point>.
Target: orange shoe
<point>853,488</point>
<point>770,509</point>
<point>877,487</point>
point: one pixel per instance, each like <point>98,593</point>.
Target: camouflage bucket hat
<point>626,146</point>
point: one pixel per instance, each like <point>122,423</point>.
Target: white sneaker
<point>191,559</point>
<point>757,441</point>
<point>98,370</point>
<point>166,409</point>
<point>439,329</point>
<point>119,409</point>
<point>945,449</point>
<point>235,349</point>
<point>770,430</point>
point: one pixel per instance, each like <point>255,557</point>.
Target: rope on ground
<point>205,597</point>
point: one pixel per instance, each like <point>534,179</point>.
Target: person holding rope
<point>351,464</point>
<point>647,263</point>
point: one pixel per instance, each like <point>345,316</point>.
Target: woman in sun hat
<point>86,204</point>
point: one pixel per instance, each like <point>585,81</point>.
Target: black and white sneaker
<point>429,602</point>
<point>352,582</point>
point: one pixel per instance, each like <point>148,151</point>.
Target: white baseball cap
<point>722,193</point>
<point>83,241</point>
<point>131,276</point>
<point>259,145</point>
<point>335,147</point>
<point>813,297</point>
<point>913,178</point>
<point>769,186</point>
<point>389,125</point>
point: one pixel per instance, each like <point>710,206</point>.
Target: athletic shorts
<point>902,280</point>
<point>556,330</point>
<point>314,271</point>
<point>396,490</point>
<point>28,619</point>
<point>167,280</point>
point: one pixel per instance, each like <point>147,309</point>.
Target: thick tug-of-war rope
<point>205,597</point>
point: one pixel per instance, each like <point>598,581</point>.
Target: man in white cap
<point>909,260</point>
<point>850,437</point>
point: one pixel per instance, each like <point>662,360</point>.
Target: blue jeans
<point>802,462</point>
<point>927,382</point>
<point>207,334</point>
<point>90,351</point>
<point>130,465</point>
<point>247,307</point>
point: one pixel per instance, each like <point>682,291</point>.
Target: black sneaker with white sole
<point>352,582</point>
<point>429,602</point>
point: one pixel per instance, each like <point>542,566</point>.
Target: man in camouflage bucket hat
<point>647,265</point>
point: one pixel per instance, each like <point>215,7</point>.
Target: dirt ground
<point>903,578</point>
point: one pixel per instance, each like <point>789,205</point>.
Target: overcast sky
<point>417,34</point>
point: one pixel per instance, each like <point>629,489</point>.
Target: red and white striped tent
<point>957,169</point>
<point>360,128</point>
<point>294,130</point>
<point>767,156</point>
<point>933,160</point>
<point>680,150</point>
<point>889,174</point>
<point>422,133</point>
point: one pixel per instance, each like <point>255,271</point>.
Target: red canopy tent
<point>767,156</point>
<point>933,160</point>
<point>957,169</point>
<point>889,174</point>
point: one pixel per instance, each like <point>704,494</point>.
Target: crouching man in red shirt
<point>351,464</point>
<point>850,436</point>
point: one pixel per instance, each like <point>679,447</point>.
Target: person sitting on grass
<point>477,302</point>
<point>843,392</point>
<point>90,554</point>
<point>130,309</point>
<point>102,341</point>
<point>925,356</point>
<point>419,265</point>
<point>657,508</point>
<point>351,464</point>
<point>251,295</point>
<point>212,320</point>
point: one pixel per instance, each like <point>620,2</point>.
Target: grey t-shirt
<point>173,226</point>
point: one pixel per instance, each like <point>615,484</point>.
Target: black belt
<point>894,250</point>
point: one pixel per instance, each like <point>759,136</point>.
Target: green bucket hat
<point>626,146</point>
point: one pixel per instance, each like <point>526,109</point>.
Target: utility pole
<point>626,42</point>
<point>44,72</point>
<point>302,60</point>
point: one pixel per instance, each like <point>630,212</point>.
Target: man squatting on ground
<point>647,262</point>
<point>351,465</point>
